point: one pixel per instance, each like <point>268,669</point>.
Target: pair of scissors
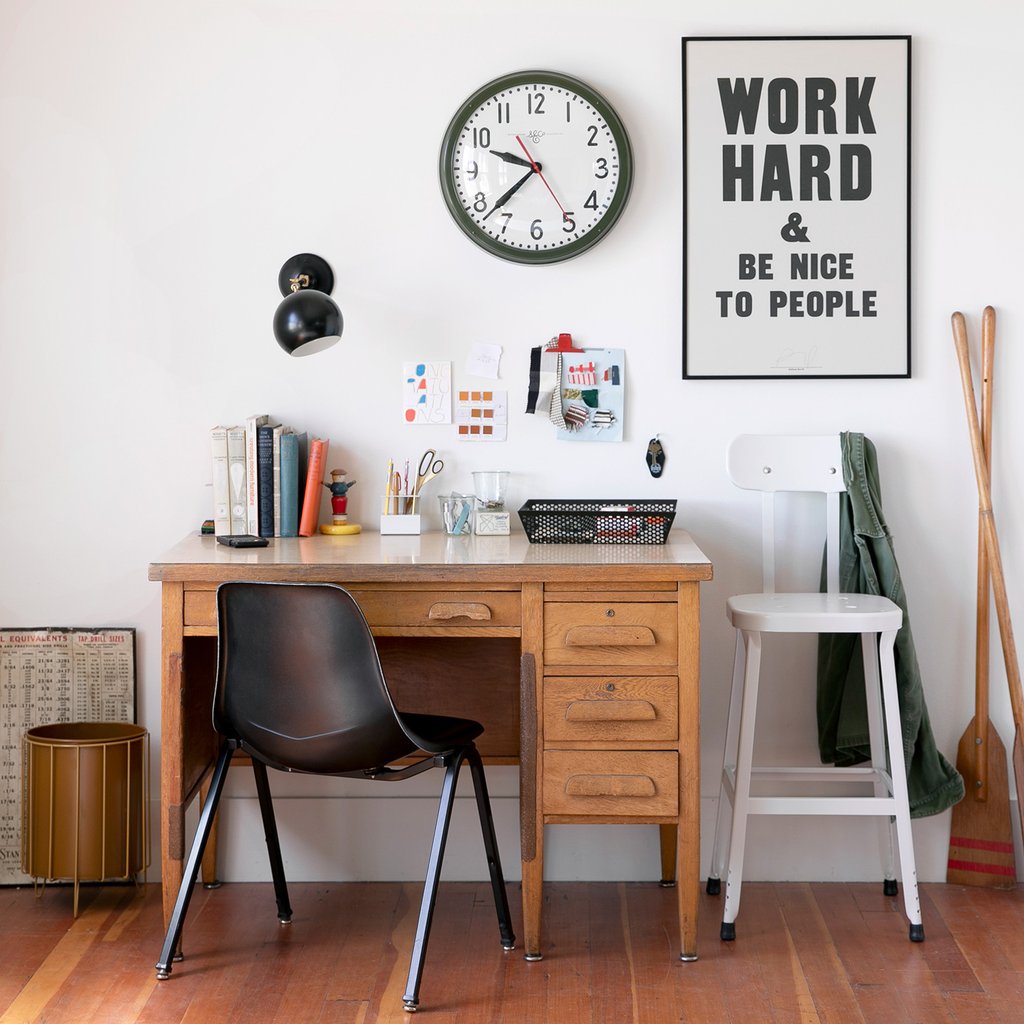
<point>430,466</point>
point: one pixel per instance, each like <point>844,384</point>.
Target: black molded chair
<point>300,688</point>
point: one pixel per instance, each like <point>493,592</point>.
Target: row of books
<point>267,479</point>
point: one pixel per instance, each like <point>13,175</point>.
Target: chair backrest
<point>791,462</point>
<point>299,682</point>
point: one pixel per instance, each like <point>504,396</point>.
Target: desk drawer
<point>612,633</point>
<point>611,783</point>
<point>462,608</point>
<point>611,708</point>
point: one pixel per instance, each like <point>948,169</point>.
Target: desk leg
<point>172,809</point>
<point>531,821</point>
<point>688,879</point>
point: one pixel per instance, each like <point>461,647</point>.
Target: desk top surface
<point>433,557</point>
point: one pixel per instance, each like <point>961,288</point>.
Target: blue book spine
<point>289,485</point>
<point>265,479</point>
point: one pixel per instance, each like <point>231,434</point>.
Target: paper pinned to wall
<point>427,392</point>
<point>592,389</point>
<point>483,360</point>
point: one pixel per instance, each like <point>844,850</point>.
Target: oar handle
<point>989,526</point>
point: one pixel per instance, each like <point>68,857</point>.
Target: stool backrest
<point>299,682</point>
<point>773,463</point>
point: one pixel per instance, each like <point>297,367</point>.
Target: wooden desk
<point>583,665</point>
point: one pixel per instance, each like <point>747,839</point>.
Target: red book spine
<point>314,487</point>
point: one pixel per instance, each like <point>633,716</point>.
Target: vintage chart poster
<point>796,207</point>
<point>47,676</point>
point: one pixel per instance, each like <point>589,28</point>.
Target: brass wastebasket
<point>84,805</point>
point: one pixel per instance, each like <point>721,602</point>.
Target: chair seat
<point>814,613</point>
<point>436,733</point>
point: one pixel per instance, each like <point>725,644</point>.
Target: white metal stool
<point>809,463</point>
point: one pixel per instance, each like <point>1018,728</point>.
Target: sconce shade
<point>308,319</point>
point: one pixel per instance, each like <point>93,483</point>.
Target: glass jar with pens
<point>400,510</point>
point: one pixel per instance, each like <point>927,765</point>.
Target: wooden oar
<point>981,833</point>
<point>988,525</point>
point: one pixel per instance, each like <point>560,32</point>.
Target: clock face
<point>536,167</point>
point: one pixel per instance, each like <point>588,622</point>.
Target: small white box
<point>400,524</point>
<point>492,524</point>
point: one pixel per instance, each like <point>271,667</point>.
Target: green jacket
<point>867,565</point>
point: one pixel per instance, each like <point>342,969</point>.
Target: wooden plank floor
<point>804,953</point>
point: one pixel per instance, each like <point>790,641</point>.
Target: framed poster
<point>796,207</point>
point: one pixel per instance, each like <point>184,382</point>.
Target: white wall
<point>158,163</point>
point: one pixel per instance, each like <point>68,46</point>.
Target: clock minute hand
<point>511,192</point>
<point>511,158</point>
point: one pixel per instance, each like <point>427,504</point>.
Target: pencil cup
<point>399,515</point>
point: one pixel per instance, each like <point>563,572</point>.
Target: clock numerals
<point>481,138</point>
<point>472,170</point>
<point>591,201</point>
<point>504,113</point>
<point>569,225</point>
<point>593,133</point>
<point>535,102</point>
<point>504,227</point>
<point>602,167</point>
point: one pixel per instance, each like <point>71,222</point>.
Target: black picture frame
<point>816,128</point>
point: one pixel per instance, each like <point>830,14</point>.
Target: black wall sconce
<point>308,320</point>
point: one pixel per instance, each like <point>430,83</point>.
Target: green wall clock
<point>536,167</point>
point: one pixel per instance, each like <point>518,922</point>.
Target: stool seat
<point>814,613</point>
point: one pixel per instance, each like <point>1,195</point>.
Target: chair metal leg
<point>897,765</point>
<point>195,857</point>
<point>419,947</point>
<point>284,908</point>
<point>879,760</point>
<point>483,805</point>
<point>722,820</point>
<point>741,789</point>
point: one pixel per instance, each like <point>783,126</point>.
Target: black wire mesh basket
<point>597,521</point>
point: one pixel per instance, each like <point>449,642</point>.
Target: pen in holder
<point>456,512</point>
<point>401,514</point>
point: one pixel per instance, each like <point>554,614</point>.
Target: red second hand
<point>540,174</point>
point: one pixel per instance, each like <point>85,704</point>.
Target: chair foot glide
<point>917,933</point>
<point>713,887</point>
<point>890,887</point>
<point>410,1005</point>
<point>728,931</point>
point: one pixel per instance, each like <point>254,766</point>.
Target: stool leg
<point>879,761</point>
<point>908,867</point>
<point>732,728</point>
<point>741,793</point>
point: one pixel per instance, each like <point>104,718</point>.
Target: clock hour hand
<point>502,200</point>
<point>510,158</point>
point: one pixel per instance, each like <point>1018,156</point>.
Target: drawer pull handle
<point>610,636</point>
<point>610,785</point>
<point>459,610</point>
<point>610,711</point>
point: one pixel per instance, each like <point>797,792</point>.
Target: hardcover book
<point>310,518</point>
<point>221,487</point>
